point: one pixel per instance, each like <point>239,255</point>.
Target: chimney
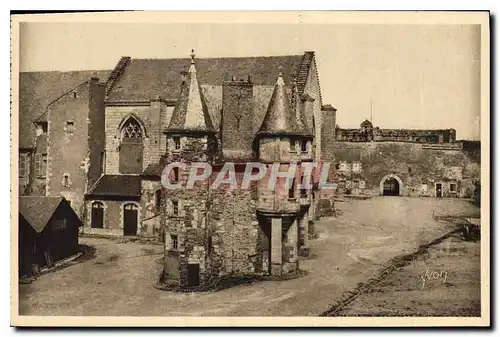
<point>237,114</point>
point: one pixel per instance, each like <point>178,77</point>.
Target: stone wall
<point>362,166</point>
<point>150,216</point>
<point>154,118</point>
<point>68,147</point>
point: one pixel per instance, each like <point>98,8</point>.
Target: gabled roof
<point>38,210</point>
<point>38,89</point>
<point>117,185</point>
<point>279,118</point>
<point>146,79</point>
<point>191,112</point>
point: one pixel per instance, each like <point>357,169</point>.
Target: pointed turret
<point>191,112</point>
<point>279,120</point>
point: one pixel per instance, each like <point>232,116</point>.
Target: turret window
<point>303,146</point>
<point>177,143</point>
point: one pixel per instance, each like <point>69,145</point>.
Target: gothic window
<point>131,129</point>
<point>131,147</point>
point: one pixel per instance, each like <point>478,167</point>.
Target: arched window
<point>97,216</point>
<point>131,147</point>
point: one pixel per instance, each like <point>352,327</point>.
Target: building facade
<point>61,134</point>
<point>231,229</point>
<point>422,163</point>
<point>141,95</point>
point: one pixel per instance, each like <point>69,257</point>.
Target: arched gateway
<point>391,184</point>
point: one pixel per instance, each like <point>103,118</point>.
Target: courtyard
<point>350,249</point>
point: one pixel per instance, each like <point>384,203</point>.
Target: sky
<point>409,76</point>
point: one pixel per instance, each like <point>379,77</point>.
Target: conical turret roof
<point>279,119</point>
<point>191,113</point>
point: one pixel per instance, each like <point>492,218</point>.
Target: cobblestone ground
<point>349,250</point>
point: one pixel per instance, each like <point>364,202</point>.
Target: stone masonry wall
<point>362,166</point>
<point>68,152</point>
<point>155,118</point>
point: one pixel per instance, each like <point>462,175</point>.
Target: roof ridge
<point>122,63</point>
<point>64,94</point>
<point>214,57</point>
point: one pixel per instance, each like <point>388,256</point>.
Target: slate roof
<point>38,89</point>
<point>279,117</point>
<point>145,79</point>
<point>38,210</point>
<point>191,111</point>
<point>117,185</point>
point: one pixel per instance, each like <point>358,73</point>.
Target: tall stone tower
<point>282,144</point>
<point>190,138</point>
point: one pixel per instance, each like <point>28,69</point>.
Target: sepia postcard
<point>308,169</point>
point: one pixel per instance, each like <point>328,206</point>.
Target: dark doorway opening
<point>193,271</point>
<point>439,190</point>
<point>130,219</point>
<point>391,187</point>
<point>97,216</point>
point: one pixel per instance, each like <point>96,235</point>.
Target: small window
<point>175,207</point>
<point>409,170</point>
<point>70,127</point>
<point>303,146</point>
<point>175,241</point>
<point>293,145</point>
<point>291,191</point>
<point>66,180</point>
<point>158,200</point>
<point>59,224</point>
<point>40,165</point>
<point>23,165</point>
<point>453,187</point>
<point>177,143</point>
<point>74,95</point>
<point>176,174</point>
<point>102,160</point>
<point>303,190</point>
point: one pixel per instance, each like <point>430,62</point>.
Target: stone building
<point>373,161</point>
<point>61,133</point>
<point>231,230</point>
<point>141,95</point>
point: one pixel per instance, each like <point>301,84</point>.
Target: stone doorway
<point>391,185</point>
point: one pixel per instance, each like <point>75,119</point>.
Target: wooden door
<point>97,216</point>
<point>193,270</point>
<point>130,219</point>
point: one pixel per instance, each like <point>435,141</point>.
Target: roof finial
<point>192,56</point>
<point>280,71</point>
